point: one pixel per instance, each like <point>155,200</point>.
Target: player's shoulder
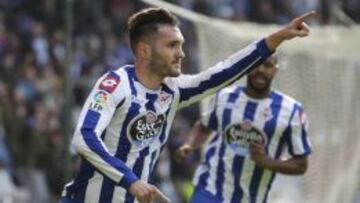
<point>180,80</point>
<point>175,82</point>
<point>223,95</point>
<point>122,72</point>
<point>171,81</point>
<point>287,100</point>
<point>114,80</point>
<point>229,89</point>
<point>233,89</point>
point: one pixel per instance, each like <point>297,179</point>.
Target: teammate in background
<point>125,121</point>
<point>252,125</point>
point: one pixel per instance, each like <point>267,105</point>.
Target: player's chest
<point>146,117</point>
<point>245,122</point>
<point>158,103</point>
<point>250,117</point>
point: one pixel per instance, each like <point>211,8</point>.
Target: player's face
<point>166,51</point>
<point>260,78</point>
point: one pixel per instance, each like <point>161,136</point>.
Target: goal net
<point>323,72</point>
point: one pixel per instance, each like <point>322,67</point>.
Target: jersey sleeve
<point>95,116</point>
<point>193,88</point>
<point>296,134</point>
<point>208,117</point>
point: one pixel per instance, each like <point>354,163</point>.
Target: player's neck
<point>257,94</point>
<point>147,78</point>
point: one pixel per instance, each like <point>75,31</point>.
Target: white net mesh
<point>323,72</point>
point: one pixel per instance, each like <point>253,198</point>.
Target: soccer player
<point>251,127</point>
<point>125,121</point>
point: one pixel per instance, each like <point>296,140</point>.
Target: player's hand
<point>183,152</point>
<point>147,193</point>
<point>298,27</point>
<point>258,153</point>
<point>160,197</point>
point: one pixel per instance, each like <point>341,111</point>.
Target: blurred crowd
<point>34,71</point>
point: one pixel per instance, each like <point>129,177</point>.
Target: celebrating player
<point>125,121</point>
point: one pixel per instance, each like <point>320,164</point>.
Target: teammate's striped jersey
<point>123,125</point>
<point>227,172</point>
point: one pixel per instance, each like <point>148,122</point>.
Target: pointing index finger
<point>306,16</point>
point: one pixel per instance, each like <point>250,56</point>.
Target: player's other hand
<point>183,152</point>
<point>147,193</point>
<point>258,152</point>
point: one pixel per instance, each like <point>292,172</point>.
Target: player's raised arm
<point>296,28</point>
<point>193,88</point>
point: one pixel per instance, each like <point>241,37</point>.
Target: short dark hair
<point>146,22</point>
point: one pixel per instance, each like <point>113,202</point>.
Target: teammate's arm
<point>297,141</point>
<point>200,131</point>
<point>197,137</point>
<point>296,165</point>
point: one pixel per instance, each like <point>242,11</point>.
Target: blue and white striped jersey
<point>123,125</point>
<point>227,172</point>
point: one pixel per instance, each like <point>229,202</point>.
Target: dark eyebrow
<point>177,41</point>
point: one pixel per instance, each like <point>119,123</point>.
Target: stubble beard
<point>163,69</point>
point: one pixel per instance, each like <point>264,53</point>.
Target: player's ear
<point>276,68</point>
<point>274,72</point>
<point>144,50</point>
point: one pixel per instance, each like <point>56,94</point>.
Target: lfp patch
<point>99,100</point>
<point>110,82</point>
<point>101,97</point>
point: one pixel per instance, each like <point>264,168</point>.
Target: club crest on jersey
<point>238,136</point>
<point>165,98</point>
<point>303,119</point>
<point>267,114</point>
<point>99,100</point>
<point>110,82</point>
<point>144,128</point>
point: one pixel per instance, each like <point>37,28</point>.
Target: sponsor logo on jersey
<point>144,128</point>
<point>99,100</point>
<point>238,136</point>
<point>110,82</point>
